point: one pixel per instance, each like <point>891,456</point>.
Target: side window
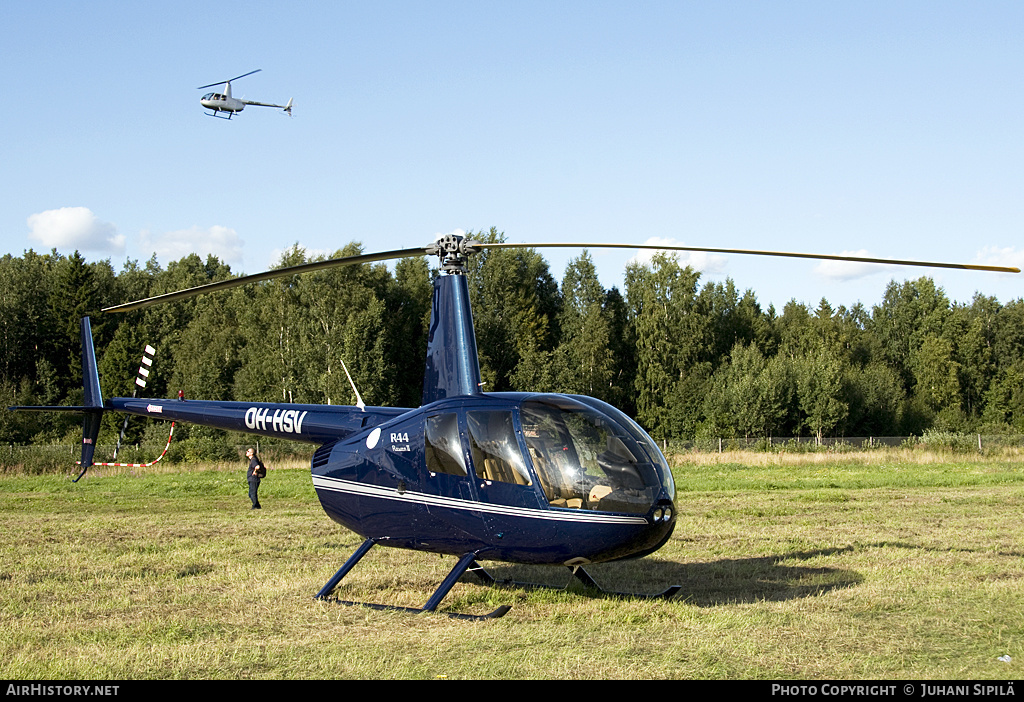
<point>443,448</point>
<point>495,450</point>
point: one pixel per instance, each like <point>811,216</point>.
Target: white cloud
<point>848,270</point>
<point>75,228</point>
<point>698,260</point>
<point>222,242</point>
<point>996,256</point>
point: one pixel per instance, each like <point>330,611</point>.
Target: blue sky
<point>887,128</point>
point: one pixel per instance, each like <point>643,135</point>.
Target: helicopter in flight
<point>517,477</point>
<point>223,102</point>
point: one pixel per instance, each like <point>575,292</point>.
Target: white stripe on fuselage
<point>389,493</point>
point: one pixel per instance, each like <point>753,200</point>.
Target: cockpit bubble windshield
<point>645,442</point>
<point>584,459</point>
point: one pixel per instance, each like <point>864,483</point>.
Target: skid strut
<point>457,572</point>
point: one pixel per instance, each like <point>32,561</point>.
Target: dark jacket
<point>254,463</point>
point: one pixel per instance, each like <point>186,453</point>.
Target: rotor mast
<point>453,365</point>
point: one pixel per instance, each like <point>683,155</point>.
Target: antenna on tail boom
<point>359,400</point>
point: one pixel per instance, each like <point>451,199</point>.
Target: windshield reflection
<point>585,459</point>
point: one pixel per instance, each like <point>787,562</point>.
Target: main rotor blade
<point>222,82</point>
<point>423,251</point>
<point>266,275</point>
<point>822,257</point>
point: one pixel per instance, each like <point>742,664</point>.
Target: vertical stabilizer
<point>93,404</point>
<point>90,372</point>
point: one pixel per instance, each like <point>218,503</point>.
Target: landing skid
<point>446,585</point>
<point>578,574</point>
<point>468,565</point>
<point>496,614</point>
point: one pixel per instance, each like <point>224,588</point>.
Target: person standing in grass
<point>256,471</point>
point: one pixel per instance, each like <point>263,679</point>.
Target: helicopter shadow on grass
<point>772,578</point>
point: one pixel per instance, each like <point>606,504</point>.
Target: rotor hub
<point>452,250</point>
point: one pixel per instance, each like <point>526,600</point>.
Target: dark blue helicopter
<point>532,478</point>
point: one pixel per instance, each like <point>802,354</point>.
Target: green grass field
<point>887,565</point>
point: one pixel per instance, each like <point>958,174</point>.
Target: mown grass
<point>795,568</point>
<point>748,470</point>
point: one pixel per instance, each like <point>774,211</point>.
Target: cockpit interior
<point>582,456</point>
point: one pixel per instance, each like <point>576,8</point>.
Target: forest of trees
<point>688,360</point>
